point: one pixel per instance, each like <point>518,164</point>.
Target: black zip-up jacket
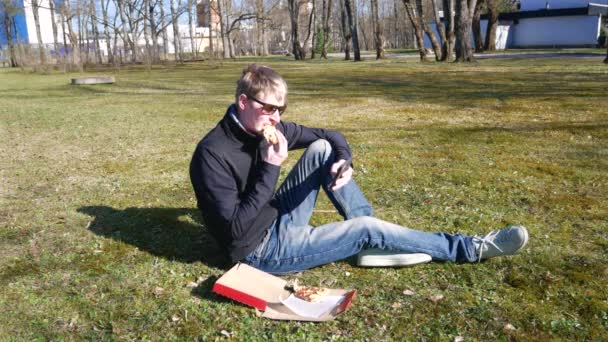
<point>234,186</point>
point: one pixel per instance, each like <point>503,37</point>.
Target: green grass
<point>97,211</point>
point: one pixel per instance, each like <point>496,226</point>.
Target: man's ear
<point>242,101</point>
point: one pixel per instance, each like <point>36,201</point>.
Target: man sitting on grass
<point>234,172</point>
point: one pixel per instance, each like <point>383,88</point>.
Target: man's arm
<point>219,195</point>
<point>300,136</point>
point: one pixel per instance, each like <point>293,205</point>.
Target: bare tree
<point>415,20</point>
<point>191,28</point>
<point>221,8</point>
<point>464,11</point>
<point>123,21</point>
<point>378,38</point>
<point>490,43</point>
<point>311,26</point>
<point>294,15</point>
<point>429,32</point>
<point>53,25</point>
<point>440,29</point>
<point>176,38</point>
<point>449,11</point>
<point>346,32</point>
<point>325,19</point>
<point>476,26</point>
<point>147,31</point>
<point>9,9</point>
<point>35,8</point>
<point>95,31</point>
<point>66,12</point>
<point>163,26</point>
<point>151,6</point>
<point>106,30</point>
<point>261,37</point>
<point>351,15</point>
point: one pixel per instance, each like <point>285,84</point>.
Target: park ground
<point>100,238</point>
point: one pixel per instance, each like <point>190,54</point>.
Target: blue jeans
<point>292,245</point>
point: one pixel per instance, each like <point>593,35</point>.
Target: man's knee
<point>320,148</point>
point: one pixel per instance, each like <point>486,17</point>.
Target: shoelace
<point>486,239</point>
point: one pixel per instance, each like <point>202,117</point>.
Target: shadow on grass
<point>171,233</point>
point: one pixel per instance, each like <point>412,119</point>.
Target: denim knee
<point>320,147</point>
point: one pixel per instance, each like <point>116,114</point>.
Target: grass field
<point>100,238</point>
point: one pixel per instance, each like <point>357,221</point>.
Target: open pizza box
<point>268,293</point>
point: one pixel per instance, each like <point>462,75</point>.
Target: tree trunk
<point>313,51</point>
<point>364,40</point>
<point>463,31</point>
<point>294,14</point>
<point>311,20</point>
<point>476,26</point>
<point>64,35</point>
<point>429,32</point>
<point>261,43</point>
<point>606,59</point>
<point>440,29</point>
<point>326,15</point>
<point>178,56</point>
<point>76,57</point>
<point>351,14</point>
<point>133,36</point>
<point>54,26</point>
<point>378,38</point>
<point>153,30</point>
<point>123,22</point>
<point>490,43</point>
<point>223,31</point>
<point>106,30</point>
<point>35,7</point>
<point>95,30</point>
<point>212,9</point>
<point>147,35</point>
<point>191,27</point>
<point>164,31</point>
<point>9,37</point>
<point>449,25</point>
<point>346,32</point>
<point>415,20</point>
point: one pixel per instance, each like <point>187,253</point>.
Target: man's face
<point>254,114</point>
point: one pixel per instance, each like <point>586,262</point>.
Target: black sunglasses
<point>269,108</point>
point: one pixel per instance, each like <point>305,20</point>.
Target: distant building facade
<point>23,28</point>
<point>548,23</point>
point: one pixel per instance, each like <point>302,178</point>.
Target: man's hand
<point>346,175</point>
<point>277,153</point>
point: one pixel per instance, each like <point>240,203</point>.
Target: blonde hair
<point>258,79</point>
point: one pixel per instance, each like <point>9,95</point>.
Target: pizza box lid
<point>263,291</point>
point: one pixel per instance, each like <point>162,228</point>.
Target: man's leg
<point>292,249</point>
<point>298,194</point>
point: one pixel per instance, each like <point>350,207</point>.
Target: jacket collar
<point>234,128</point>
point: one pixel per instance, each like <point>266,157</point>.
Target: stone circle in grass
<point>93,80</point>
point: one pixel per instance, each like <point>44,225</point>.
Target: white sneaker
<point>376,257</point>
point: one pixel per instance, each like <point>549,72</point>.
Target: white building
<point>549,23</point>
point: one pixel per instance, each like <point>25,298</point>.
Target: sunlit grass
<point>97,211</point>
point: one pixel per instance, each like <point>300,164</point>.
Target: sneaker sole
<point>398,259</point>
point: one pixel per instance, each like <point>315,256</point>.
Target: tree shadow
<point>171,233</point>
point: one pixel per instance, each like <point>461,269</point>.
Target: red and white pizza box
<point>267,293</point>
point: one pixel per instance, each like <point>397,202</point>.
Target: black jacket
<point>234,187</point>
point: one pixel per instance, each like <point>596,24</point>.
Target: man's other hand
<point>346,175</point>
<point>277,153</point>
